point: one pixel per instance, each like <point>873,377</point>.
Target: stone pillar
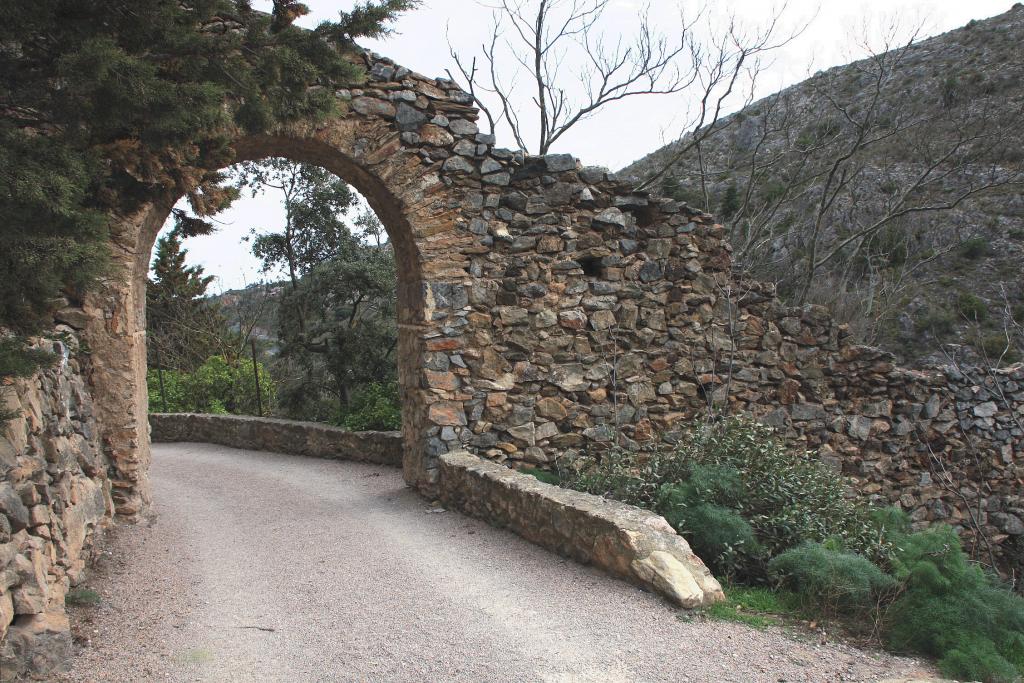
<point>116,339</point>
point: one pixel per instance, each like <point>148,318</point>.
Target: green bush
<point>829,580</point>
<point>995,346</point>
<point>755,511</point>
<point>938,322</point>
<point>949,609</point>
<point>721,536</point>
<point>702,509</point>
<point>974,248</point>
<point>740,466</point>
<point>972,308</point>
<point>374,406</point>
<point>82,597</point>
<point>217,386</point>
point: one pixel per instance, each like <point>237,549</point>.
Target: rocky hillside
<point>888,189</point>
<point>253,308</point>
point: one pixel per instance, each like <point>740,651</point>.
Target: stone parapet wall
<point>55,500</point>
<point>626,541</point>
<point>281,436</point>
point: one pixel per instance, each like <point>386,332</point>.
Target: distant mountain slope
<point>252,308</point>
<point>837,170</point>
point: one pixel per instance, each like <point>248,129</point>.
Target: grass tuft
<point>82,597</point>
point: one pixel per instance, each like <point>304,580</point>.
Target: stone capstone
<point>280,436</point>
<point>633,544</point>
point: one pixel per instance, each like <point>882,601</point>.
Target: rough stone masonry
<point>545,310</point>
<point>54,502</point>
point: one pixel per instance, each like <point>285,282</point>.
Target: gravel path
<point>266,567</point>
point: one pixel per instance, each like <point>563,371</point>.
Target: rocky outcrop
<point>281,436</point>
<point>628,542</point>
<point>54,502</point>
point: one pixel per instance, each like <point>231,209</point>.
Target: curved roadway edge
<point>630,543</point>
<point>275,568</point>
<point>624,540</point>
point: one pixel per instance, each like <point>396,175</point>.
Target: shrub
<point>972,308</point>
<point>995,346</point>
<point>730,202</point>
<point>829,580</point>
<point>374,406</point>
<point>701,509</point>
<point>938,322</point>
<point>721,536</point>
<point>951,610</point>
<point>739,466</point>
<point>82,597</point>
<point>974,248</point>
<point>217,386</point>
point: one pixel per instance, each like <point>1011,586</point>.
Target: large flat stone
<point>626,541</point>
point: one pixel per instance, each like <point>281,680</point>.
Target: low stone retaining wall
<point>624,540</point>
<point>282,436</point>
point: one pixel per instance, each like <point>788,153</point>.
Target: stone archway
<point>427,213</point>
<point>544,307</point>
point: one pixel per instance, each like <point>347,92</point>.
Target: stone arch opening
<point>120,344</point>
<point>547,309</point>
<point>403,291</point>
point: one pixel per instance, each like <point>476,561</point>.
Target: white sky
<point>626,130</point>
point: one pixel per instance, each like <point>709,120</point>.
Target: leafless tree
<point>725,69</point>
<point>551,59</point>
<point>830,188</point>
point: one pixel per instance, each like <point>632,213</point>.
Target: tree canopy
<point>336,318</point>
<point>183,326</point>
<point>111,102</point>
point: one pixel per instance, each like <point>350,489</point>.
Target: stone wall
<point>280,436</point>
<point>633,544</point>
<point>548,310</point>
<point>54,503</point>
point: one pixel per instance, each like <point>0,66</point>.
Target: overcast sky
<point>626,130</point>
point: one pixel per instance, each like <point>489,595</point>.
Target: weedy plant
<point>735,491</point>
<point>781,523</point>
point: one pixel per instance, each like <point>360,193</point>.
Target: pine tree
<point>183,327</point>
<point>108,103</point>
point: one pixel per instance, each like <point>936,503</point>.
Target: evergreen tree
<point>183,327</point>
<point>111,102</point>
